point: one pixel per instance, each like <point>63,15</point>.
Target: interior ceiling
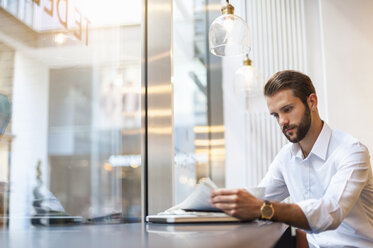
<point>106,44</point>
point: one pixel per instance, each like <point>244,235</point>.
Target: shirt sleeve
<point>328,212</point>
<point>274,183</point>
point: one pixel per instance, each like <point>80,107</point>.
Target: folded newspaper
<point>198,200</point>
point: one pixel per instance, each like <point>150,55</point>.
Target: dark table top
<point>253,234</point>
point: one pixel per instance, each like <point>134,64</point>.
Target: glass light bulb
<point>229,36</point>
<point>248,79</point>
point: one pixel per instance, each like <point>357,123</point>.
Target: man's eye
<point>275,115</point>
<point>287,110</point>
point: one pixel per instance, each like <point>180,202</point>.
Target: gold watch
<point>267,211</point>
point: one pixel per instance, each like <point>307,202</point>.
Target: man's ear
<point>312,102</point>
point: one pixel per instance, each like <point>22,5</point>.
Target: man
<point>326,173</point>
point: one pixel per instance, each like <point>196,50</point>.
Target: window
<point>198,107</point>
<point>72,152</point>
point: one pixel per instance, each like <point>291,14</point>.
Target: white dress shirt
<point>333,186</point>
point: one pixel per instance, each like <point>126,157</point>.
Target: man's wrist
<point>259,212</point>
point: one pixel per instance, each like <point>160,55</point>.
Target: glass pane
<point>197,145</point>
<point>11,6</point>
<point>72,151</point>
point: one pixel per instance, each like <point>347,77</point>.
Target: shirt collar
<point>320,148</point>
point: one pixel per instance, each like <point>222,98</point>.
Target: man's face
<point>291,114</point>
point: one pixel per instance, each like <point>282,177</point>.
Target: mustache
<point>285,127</point>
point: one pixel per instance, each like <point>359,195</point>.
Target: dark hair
<point>300,84</point>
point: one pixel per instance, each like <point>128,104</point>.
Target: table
<point>147,235</point>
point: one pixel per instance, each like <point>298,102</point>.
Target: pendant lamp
<point>229,34</point>
<point>248,79</point>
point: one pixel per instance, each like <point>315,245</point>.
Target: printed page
<point>198,200</point>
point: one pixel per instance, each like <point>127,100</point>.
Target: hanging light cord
<point>245,10</point>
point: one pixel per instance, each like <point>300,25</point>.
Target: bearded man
<point>326,173</point>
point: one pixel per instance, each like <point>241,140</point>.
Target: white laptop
<point>191,217</point>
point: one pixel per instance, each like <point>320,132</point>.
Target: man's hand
<point>243,205</point>
<point>237,202</point>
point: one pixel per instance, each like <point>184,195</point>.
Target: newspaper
<point>198,200</point>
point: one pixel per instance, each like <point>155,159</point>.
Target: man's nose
<point>283,120</point>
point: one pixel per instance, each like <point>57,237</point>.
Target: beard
<point>301,129</point>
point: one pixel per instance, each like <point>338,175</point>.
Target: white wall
<point>348,45</point>
<point>30,127</point>
<point>235,130</point>
<point>316,53</point>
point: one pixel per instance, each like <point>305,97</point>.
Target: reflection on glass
<point>12,6</point>
<point>192,134</point>
<point>73,149</point>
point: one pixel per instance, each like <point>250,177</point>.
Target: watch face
<point>267,211</point>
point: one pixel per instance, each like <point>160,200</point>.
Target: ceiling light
<point>248,79</point>
<point>229,34</point>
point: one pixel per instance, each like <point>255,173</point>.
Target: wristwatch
<point>267,211</point>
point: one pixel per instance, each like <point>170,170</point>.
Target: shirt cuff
<point>317,216</point>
